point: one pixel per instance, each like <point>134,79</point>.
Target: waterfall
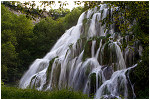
<point>86,58</point>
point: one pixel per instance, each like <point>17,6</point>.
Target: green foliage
<point>132,18</point>
<point>142,70</point>
<point>90,4</point>
<point>46,33</point>
<point>9,55</point>
<point>2,83</point>
<point>16,93</point>
<point>72,17</point>
<point>137,13</point>
<point>143,94</point>
<point>141,76</point>
<point>133,13</point>
<point>22,42</point>
<point>16,37</point>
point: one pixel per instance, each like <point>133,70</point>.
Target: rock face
<point>108,71</point>
<point>35,20</point>
<point>87,58</point>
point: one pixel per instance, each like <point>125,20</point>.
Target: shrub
<point>16,93</point>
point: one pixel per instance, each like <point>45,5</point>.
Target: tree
<point>16,39</point>
<point>46,32</point>
<point>72,17</point>
<point>22,42</point>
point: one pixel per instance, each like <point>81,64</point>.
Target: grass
<point>16,93</point>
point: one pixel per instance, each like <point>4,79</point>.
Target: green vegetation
<point>16,41</point>
<point>138,12</point>
<point>16,93</point>
<point>92,84</point>
<point>135,13</point>
<point>141,76</point>
<point>22,42</point>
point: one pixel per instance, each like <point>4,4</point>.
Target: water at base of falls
<point>84,59</point>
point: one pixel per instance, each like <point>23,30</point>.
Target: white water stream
<point>102,72</point>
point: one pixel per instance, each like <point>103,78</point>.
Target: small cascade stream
<point>87,57</point>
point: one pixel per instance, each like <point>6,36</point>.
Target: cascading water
<point>86,58</point>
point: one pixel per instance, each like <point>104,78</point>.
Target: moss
<point>48,73</point>
<point>49,67</point>
<point>92,15</point>
<point>67,73</point>
<point>98,39</point>
<point>86,25</point>
<point>82,40</point>
<point>56,75</point>
<point>88,45</point>
<point>58,72</point>
<point>66,53</point>
<point>88,69</point>
<point>70,46</point>
<point>106,91</point>
<point>92,83</point>
<point>106,54</point>
<point>85,21</point>
<point>113,54</point>
<point>31,81</point>
<point>115,67</point>
<point>100,81</point>
<point>80,45</point>
<point>87,50</point>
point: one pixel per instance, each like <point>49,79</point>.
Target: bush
<point>16,93</point>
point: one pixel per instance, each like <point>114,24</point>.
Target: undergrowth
<point>16,93</point>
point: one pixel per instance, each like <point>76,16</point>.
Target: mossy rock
<point>109,54</point>
<point>48,73</point>
<point>88,70</point>
<point>88,45</point>
<point>85,27</point>
<point>106,91</point>
<point>31,81</point>
<point>56,75</point>
<point>105,54</point>
<point>87,50</point>
<point>92,84</point>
